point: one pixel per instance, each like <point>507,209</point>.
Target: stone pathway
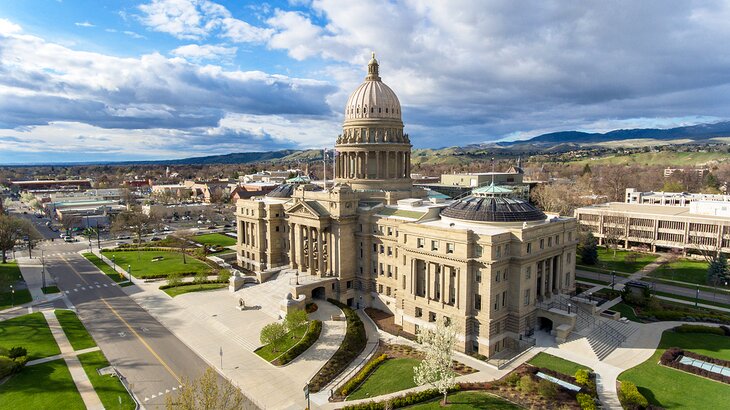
<point>62,356</point>
<point>83,384</point>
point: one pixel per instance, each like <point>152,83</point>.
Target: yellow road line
<point>159,359</point>
<point>63,258</point>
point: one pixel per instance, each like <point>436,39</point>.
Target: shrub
<point>224,275</point>
<point>401,401</point>
<point>583,377</point>
<point>272,334</point>
<point>699,329</point>
<point>295,319</point>
<point>353,344</point>
<point>17,351</point>
<point>547,389</point>
<point>512,379</point>
<point>526,384</point>
<point>630,397</point>
<point>725,329</point>
<point>181,283</point>
<point>585,401</point>
<point>360,377</point>
<point>313,332</point>
<point>174,279</point>
<point>200,278</point>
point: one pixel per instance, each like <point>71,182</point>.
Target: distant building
<point>700,172</point>
<point>50,185</point>
<point>703,226</point>
<point>177,210</point>
<point>248,190</point>
<point>137,183</point>
<point>276,177</point>
<point>670,198</point>
<point>457,185</point>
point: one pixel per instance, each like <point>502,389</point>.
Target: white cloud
<point>133,34</point>
<point>195,52</point>
<point>84,24</point>
<point>8,27</point>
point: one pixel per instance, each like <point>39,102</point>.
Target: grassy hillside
<point>664,158</point>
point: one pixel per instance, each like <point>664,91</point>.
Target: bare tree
<point>14,230</point>
<point>137,222</point>
<point>208,392</point>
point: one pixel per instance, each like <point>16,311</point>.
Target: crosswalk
<point>96,285</point>
<point>50,255</point>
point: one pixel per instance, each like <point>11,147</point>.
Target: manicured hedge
<point>353,344</point>
<point>406,400</point>
<point>699,329</point>
<point>190,283</point>
<point>630,397</point>
<point>360,377</point>
<point>313,332</point>
<point>9,365</point>
<point>670,358</point>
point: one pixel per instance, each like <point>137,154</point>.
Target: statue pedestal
<point>235,283</point>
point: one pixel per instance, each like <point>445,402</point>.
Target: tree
<point>184,239</point>
<point>137,222</point>
<point>224,275</point>
<point>436,367</point>
<point>272,334</point>
<point>717,272</point>
<point>586,170</point>
<point>174,279</point>
<point>295,319</point>
<point>672,186</point>
<point>209,392</point>
<point>588,249</point>
<point>13,230</point>
<point>200,278</point>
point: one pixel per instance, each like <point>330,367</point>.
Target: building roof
<point>491,189</point>
<point>282,191</point>
<point>638,210</point>
<point>493,209</point>
<point>372,99</point>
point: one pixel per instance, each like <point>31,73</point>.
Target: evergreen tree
<point>586,170</point>
<point>588,248</point>
<point>717,271</point>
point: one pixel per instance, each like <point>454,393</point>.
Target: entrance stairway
<point>268,296</point>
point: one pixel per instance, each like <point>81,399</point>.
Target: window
<point>349,284</point>
<point>381,269</point>
<point>390,251</point>
<point>390,273</point>
<point>557,239</point>
<point>390,231</point>
<point>449,248</point>
<point>498,252</point>
<point>419,312</point>
<point>550,241</point>
<point>431,315</point>
<point>498,276</point>
<point>387,291</point>
<point>527,297</point>
<point>529,247</point>
<point>434,245</point>
<point>496,303</point>
<point>528,272</point>
<point>420,243</point>
<point>570,236</point>
<point>477,301</point>
<point>375,247</point>
<point>380,288</point>
<point>382,249</point>
<point>478,276</point>
<point>478,251</point>
<point>542,243</point>
<point>567,279</point>
<point>504,275</point>
<point>506,250</point>
<point>504,298</point>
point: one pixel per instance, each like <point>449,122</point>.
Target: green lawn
<point>143,266</point>
<point>215,239</point>
<point>469,400</point>
<point>30,331</point>
<point>267,351</point>
<point>591,280</point>
<point>43,386</point>
<point>104,267</point>
<point>179,290</point>
<point>557,364</point>
<point>670,388</point>
<point>109,388</point>
<point>607,262</point>
<point>391,376</point>
<point>50,289</point>
<point>626,311</point>
<point>684,270</point>
<point>75,330</point>
<point>10,275</point>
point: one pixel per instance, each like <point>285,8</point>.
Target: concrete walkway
<point>62,356</point>
<point>83,384</point>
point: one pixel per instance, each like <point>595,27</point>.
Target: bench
<point>157,258</point>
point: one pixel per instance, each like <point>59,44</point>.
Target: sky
<point>156,79</point>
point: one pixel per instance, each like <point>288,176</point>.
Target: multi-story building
<point>374,240</point>
<point>670,198</point>
<point>701,227</point>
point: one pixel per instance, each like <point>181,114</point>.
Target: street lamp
<point>12,296</point>
<point>613,279</point>
<point>569,305</point>
<point>129,271</point>
<point>43,270</point>
<point>697,296</point>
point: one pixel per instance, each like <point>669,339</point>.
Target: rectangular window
<point>570,236</point>
<point>390,251</point>
<point>496,303</point>
<point>380,288</point>
<point>529,247</point>
<point>528,272</point>
<point>527,297</point>
<point>390,273</point>
<point>381,269</point>
<point>382,249</point>
<point>449,248</point>
<point>478,276</point>
<point>420,243</point>
<point>504,298</point>
<point>504,275</point>
<point>387,291</point>
<point>390,231</point>
<point>550,241</point>
<point>498,276</point>
<point>498,252</point>
<point>557,240</point>
<point>477,301</point>
<point>419,312</point>
<point>375,247</point>
<point>434,245</point>
<point>277,229</point>
<point>431,316</point>
<point>506,250</point>
<point>349,284</point>
<point>542,243</point>
<point>478,251</point>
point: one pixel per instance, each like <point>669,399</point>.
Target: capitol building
<point>488,262</point>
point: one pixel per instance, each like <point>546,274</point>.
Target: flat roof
<point>51,181</point>
<point>650,209</point>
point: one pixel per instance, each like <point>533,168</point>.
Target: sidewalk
<point>83,384</point>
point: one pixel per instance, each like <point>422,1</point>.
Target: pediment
<point>301,208</point>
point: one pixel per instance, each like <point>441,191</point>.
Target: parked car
<point>211,227</point>
<point>124,237</point>
<point>69,239</point>
<point>155,238</point>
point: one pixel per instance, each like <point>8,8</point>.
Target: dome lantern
<point>373,70</point>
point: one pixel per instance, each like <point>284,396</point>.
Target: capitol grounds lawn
<point>671,388</point>
<point>10,275</point>
<point>144,267</point>
<point>267,352</point>
<point>75,330</point>
<point>182,289</point>
<point>684,270</point>
<point>109,388</point>
<point>557,364</point>
<point>218,239</point>
<point>105,268</point>
<point>607,262</point>
<point>467,400</point>
<point>626,311</point>
<point>391,376</point>
<point>29,331</point>
<point>42,386</point>
<point>50,289</point>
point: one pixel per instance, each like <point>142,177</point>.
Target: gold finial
<point>373,69</point>
<point>373,54</point>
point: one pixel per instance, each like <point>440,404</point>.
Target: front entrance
<point>318,293</point>
<point>545,324</point>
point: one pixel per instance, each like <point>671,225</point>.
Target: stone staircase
<point>268,295</point>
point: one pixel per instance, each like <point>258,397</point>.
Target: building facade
<point>374,240</point>
<point>670,198</point>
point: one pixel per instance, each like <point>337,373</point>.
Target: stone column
<point>542,285</point>
<point>387,164</point>
<point>457,288</point>
<point>310,243</point>
<point>300,247</point>
<point>443,284</point>
<point>428,279</point>
<point>412,276</point>
<point>320,259</point>
<point>292,242</point>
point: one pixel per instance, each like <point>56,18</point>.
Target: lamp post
<point>613,279</point>
<point>297,276</point>
<point>129,272</point>
<point>569,305</point>
<point>697,296</point>
<point>12,296</point>
<point>43,271</point>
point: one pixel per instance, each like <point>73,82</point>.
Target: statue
<point>240,303</point>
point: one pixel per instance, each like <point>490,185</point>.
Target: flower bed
<point>353,344</point>
<point>671,358</point>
